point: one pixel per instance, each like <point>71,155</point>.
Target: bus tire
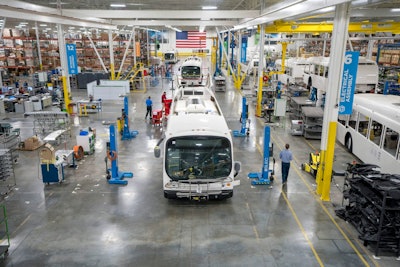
<point>348,142</point>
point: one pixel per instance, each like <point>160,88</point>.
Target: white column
<point>38,45</point>
<point>338,49</point>
<point>63,55</point>
<point>111,52</point>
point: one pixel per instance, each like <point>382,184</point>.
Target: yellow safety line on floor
<point>298,221</point>
<point>19,226</point>
<point>302,228</point>
<point>323,207</point>
<point>252,220</point>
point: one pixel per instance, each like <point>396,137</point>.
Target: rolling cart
<point>156,118</point>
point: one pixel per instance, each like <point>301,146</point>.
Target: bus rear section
<point>198,161</point>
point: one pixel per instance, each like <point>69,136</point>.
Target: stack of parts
<point>373,207</point>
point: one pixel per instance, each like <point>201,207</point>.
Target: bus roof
<point>292,61</point>
<point>192,61</point>
<point>195,111</point>
<point>325,61</point>
<point>387,105</point>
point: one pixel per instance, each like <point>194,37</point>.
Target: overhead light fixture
<point>43,25</point>
<point>173,28</point>
<point>117,5</point>
<point>209,7</point>
<point>395,9</point>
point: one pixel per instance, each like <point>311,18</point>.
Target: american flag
<point>190,39</point>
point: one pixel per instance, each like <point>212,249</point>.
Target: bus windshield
<point>169,56</point>
<point>190,72</point>
<point>198,157</point>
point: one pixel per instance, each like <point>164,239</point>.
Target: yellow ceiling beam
<point>320,27</point>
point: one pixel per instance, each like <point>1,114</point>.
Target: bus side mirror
<point>237,167</point>
<point>157,152</point>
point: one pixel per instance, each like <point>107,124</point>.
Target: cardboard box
<point>32,143</point>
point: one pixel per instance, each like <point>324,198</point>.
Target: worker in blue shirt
<point>286,157</point>
<point>149,104</point>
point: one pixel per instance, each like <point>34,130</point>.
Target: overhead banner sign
<point>348,82</point>
<point>72,59</point>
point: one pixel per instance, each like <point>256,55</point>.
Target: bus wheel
<point>349,143</point>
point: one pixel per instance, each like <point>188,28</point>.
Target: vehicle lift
<point>245,129</point>
<point>116,177</point>
<point>126,133</point>
<point>265,177</point>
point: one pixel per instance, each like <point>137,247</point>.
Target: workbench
<point>85,106</point>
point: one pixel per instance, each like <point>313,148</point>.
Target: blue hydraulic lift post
<point>126,132</point>
<point>262,178</point>
<point>244,130</point>
<point>116,176</point>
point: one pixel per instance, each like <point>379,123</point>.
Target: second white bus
<point>317,69</point>
<point>294,70</point>
<point>191,72</point>
<point>372,131</point>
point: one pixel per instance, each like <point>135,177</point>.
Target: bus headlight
<point>172,185</point>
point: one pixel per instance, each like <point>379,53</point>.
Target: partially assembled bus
<point>294,70</point>
<point>190,72</point>
<point>317,69</point>
<point>372,131</point>
<point>198,161</point>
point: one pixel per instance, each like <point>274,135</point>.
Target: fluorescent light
<point>173,28</point>
<point>395,9</point>
<point>42,25</point>
<point>209,7</point>
<point>117,5</point>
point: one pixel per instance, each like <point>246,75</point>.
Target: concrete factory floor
<point>85,221</point>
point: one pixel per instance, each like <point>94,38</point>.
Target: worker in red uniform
<point>163,97</point>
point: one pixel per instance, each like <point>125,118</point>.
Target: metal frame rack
<point>46,122</point>
<point>7,176</point>
<point>373,207</point>
<point>10,139</point>
<point>312,122</point>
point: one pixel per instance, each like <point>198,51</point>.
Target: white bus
<point>317,69</point>
<point>171,57</point>
<point>198,152</point>
<point>294,70</point>
<point>190,72</point>
<point>372,131</point>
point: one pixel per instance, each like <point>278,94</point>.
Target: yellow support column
<point>66,95</point>
<point>330,150</point>
<point>259,96</point>
<point>320,172</point>
<point>112,71</point>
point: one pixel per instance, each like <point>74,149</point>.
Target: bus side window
<point>391,141</point>
<point>375,132</point>
<point>342,119</point>
<point>362,124</point>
